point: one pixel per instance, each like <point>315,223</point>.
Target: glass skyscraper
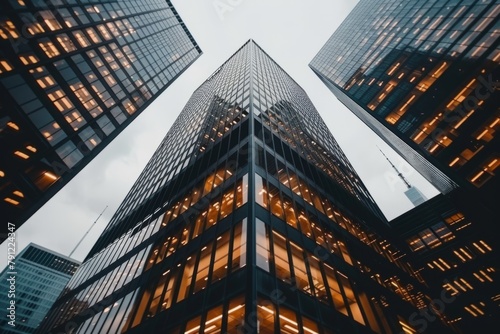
<point>424,76</point>
<point>73,75</point>
<point>40,276</point>
<point>247,219</point>
<point>462,260</point>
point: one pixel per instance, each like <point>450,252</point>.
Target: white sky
<point>291,32</point>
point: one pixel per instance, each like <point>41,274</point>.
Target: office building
<point>424,76</point>
<point>415,196</point>
<point>73,75</point>
<point>40,275</point>
<point>247,219</point>
<point>462,262</point>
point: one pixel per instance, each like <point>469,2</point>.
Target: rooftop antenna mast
<point>79,242</point>
<point>397,171</point>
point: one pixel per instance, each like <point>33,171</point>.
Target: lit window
<point>187,277</point>
<point>28,59</point>
<point>265,314</point>
<point>4,66</point>
<point>49,48</point>
<point>93,35</point>
<point>18,193</point>
<point>80,37</point>
<point>443,232</point>
<point>31,148</point>
<point>11,201</point>
<point>50,20</point>
<point>201,279</point>
<point>13,125</point>
<point>300,274</point>
<point>21,154</point>
<point>66,43</point>
<point>288,321</point>
<point>46,82</point>
<point>415,243</point>
<point>220,267</point>
<point>8,30</point>
<point>486,172</point>
<point>429,238</point>
<point>407,329</point>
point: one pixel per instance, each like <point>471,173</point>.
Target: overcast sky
<point>291,32</point>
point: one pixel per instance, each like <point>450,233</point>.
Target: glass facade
<point>41,276</point>
<point>247,219</point>
<point>462,259</point>
<point>424,76</point>
<point>73,74</point>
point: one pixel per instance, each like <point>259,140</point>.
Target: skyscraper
<point>247,219</point>
<point>415,196</point>
<point>424,76</point>
<point>73,75</point>
<point>412,192</point>
<point>461,259</point>
<point>34,283</point>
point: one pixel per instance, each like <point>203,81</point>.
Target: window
<point>290,217</point>
<point>415,243</point>
<point>282,267</point>
<point>274,196</point>
<point>66,42</point>
<point>317,279</point>
<point>5,66</point>
<point>157,295</point>
<point>305,225</point>
<point>335,294</point>
<point>187,276</point>
<point>49,48</point>
<point>193,326</point>
<point>299,267</point>
<point>81,38</point>
<point>213,323</point>
<point>265,314</point>
<point>288,320</point>
<point>239,245</point>
<point>262,235</point>
<point>235,314</point>
<point>442,231</point>
<point>429,238</point>
<point>351,299</point>
<point>89,137</point>
<point>219,269</point>
<point>260,192</point>
<point>69,154</point>
<point>203,268</point>
<point>50,20</point>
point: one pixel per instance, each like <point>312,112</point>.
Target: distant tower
<point>40,275</point>
<point>413,194</point>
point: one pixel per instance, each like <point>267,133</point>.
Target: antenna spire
<point>79,242</point>
<point>397,171</point>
